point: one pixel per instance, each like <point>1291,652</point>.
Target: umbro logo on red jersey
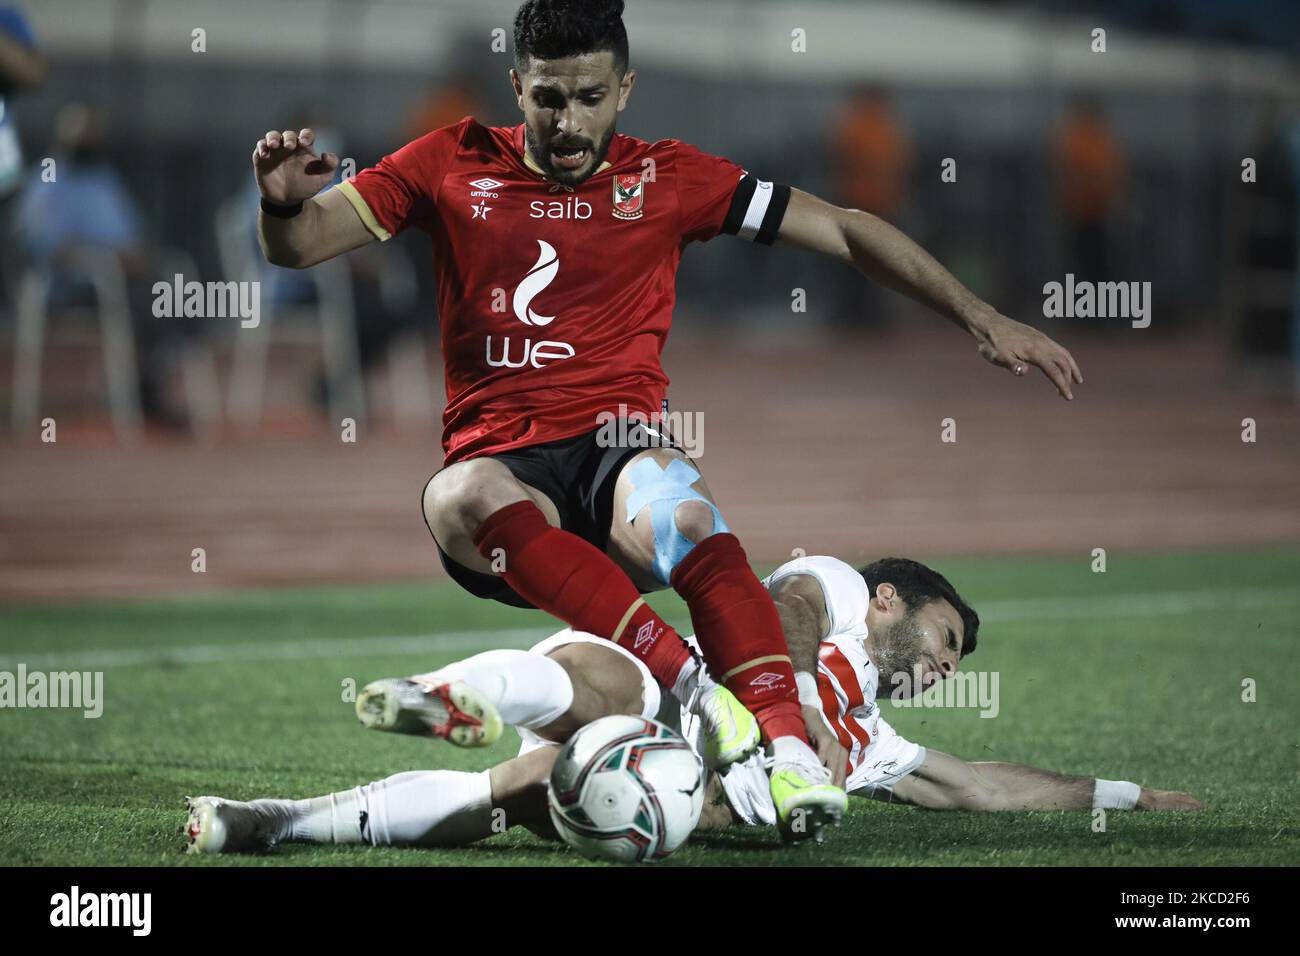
<point>485,188</point>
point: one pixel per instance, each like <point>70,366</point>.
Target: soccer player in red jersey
<point>556,244</point>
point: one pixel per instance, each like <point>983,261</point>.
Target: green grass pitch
<point>1136,674</point>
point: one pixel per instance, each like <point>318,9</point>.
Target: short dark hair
<point>555,29</point>
<point>918,585</point>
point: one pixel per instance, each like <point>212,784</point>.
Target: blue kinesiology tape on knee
<point>663,489</point>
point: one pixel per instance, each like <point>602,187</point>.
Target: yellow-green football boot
<point>730,730</point>
<point>805,799</point>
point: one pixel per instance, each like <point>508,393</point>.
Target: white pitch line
<point>1154,604</point>
<point>281,650</point>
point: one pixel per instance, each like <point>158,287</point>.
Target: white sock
<point>333,818</point>
<point>417,808</point>
<point>429,808</point>
<point>529,690</point>
<point>790,749</point>
<point>691,679</point>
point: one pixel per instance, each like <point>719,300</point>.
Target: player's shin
<point>571,579</point>
<point>418,808</point>
<point>740,634</point>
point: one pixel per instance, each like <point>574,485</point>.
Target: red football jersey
<point>554,301</point>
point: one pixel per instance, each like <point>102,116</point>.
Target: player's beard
<point>899,656</point>
<point>541,153</point>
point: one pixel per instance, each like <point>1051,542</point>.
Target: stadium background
<point>822,429</point>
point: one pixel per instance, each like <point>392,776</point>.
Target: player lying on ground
<point>556,244</point>
<point>848,628</point>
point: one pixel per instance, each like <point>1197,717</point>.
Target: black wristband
<point>278,211</point>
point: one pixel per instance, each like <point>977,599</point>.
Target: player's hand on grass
<point>1150,799</point>
<point>288,170</point>
<point>829,751</point>
<point>1016,346</point>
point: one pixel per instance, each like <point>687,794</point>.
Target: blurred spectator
<point>1090,178</point>
<point>873,159</point>
<point>442,106</point>
<point>88,205</point>
<point>21,67</point>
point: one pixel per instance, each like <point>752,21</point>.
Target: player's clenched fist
<point>288,170</point>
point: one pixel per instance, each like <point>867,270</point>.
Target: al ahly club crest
<point>629,196</point>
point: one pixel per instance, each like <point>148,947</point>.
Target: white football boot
<point>218,825</point>
<point>453,710</point>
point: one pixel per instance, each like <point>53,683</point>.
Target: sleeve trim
<point>362,208</point>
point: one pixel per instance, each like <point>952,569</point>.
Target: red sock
<point>740,633</point>
<point>565,576</point>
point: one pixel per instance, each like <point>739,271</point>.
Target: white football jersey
<point>846,682</point>
<point>847,679</point>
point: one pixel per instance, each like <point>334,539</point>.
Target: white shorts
<point>886,760</point>
<point>650,695</point>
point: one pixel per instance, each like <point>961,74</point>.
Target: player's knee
<point>464,495</point>
<point>694,520</point>
<point>680,516</point>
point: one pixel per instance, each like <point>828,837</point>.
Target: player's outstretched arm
<point>944,782</point>
<point>288,172</point>
<point>880,251</point>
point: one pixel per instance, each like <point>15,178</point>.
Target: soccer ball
<point>626,789</point>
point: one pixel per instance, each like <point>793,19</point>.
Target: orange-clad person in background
<point>444,105</point>
<point>873,159</point>
<point>874,155</point>
<point>1090,179</point>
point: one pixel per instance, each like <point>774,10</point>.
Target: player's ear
<point>886,597</point>
<point>625,88</point>
<point>518,84</point>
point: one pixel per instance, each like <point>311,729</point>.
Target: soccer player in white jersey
<point>845,629</point>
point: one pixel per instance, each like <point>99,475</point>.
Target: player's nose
<point>566,122</point>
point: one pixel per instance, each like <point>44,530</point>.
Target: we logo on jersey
<point>537,354</point>
<point>539,277</point>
